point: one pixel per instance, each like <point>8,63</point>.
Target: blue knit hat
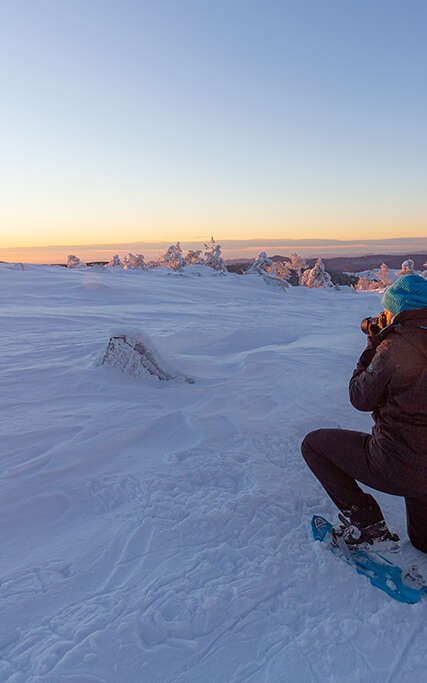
<point>409,291</point>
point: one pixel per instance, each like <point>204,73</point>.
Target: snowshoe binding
<point>411,576</point>
<point>376,536</point>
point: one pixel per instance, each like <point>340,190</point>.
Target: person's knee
<point>308,446</point>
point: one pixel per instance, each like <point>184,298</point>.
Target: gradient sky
<point>166,120</point>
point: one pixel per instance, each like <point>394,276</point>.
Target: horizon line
<point>232,249</point>
<point>267,241</point>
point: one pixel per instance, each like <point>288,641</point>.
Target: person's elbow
<point>362,400</point>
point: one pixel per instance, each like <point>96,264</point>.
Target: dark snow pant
<point>339,457</point>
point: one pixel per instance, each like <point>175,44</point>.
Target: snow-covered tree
<point>425,270</point>
<point>298,265</point>
<point>384,276</point>
<point>193,257</point>
<point>269,271</point>
<point>262,264</point>
<point>74,262</point>
<point>367,284</point>
<point>173,258</point>
<point>115,262</point>
<point>407,268</point>
<point>283,270</point>
<point>316,276</point>
<point>134,261</point>
<point>213,256</point>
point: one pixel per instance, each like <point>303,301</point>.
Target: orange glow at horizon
<point>20,234</point>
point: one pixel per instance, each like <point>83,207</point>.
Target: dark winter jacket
<point>391,381</point>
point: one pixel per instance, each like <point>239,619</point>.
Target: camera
<point>374,325</point>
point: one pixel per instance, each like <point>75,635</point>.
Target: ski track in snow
<point>160,532</point>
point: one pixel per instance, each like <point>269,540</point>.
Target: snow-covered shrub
<point>316,276</point>
<point>134,261</point>
<point>283,270</point>
<point>271,272</point>
<point>115,262</point>
<point>384,276</point>
<point>377,279</point>
<point>173,258</point>
<point>213,256</point>
<point>407,268</point>
<point>74,262</point>
<point>297,265</point>
<point>367,284</point>
<point>262,264</point>
<point>193,257</point>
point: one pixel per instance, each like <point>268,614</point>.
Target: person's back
<point>400,414</point>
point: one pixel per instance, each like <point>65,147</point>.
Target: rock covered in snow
<point>133,352</point>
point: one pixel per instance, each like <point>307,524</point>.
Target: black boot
<point>354,536</point>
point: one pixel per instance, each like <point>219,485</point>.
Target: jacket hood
<point>416,317</point>
<point>412,326</point>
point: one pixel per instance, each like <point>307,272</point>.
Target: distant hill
<point>356,264</point>
<point>339,266</point>
<point>346,264</point>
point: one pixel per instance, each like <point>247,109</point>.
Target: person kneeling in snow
<point>391,380</point>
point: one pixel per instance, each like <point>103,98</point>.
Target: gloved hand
<point>373,341</point>
<point>369,352</point>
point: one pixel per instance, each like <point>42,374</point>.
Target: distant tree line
<point>281,272</point>
<point>174,258</point>
<point>382,277</point>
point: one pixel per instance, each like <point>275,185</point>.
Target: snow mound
<point>133,352</point>
<point>275,281</point>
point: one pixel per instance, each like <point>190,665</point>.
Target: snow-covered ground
<point>159,532</point>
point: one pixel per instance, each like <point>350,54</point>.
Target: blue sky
<point>173,120</point>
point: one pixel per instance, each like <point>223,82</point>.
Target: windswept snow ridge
<point>159,532</point>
